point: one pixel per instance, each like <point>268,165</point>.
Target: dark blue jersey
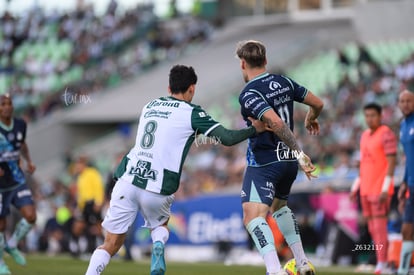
<point>11,139</point>
<point>407,141</point>
<point>265,92</point>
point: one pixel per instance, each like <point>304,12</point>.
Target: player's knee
<point>407,231</point>
<point>31,218</point>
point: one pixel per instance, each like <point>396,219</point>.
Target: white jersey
<point>167,128</point>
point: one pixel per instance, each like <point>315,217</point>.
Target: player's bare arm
<point>26,156</point>
<point>315,107</point>
<point>392,161</point>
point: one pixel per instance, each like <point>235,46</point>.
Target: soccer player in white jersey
<point>149,175</point>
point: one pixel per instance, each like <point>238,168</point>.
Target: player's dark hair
<point>254,52</point>
<point>181,78</point>
<point>373,106</point>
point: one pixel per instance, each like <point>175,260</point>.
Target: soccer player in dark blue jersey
<point>273,157</point>
<point>406,105</point>
<point>13,187</point>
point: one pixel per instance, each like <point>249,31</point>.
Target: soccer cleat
<point>16,255</point>
<point>306,269</point>
<point>4,269</point>
<point>157,259</point>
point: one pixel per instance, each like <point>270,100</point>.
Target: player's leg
<point>407,231</point>
<point>286,220</point>
<point>257,196</point>
<point>22,199</point>
<point>379,232</point>
<point>102,254</point>
<point>123,209</point>
<point>156,210</point>
<point>4,211</point>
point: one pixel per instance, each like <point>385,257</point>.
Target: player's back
<point>163,139</point>
<point>270,91</point>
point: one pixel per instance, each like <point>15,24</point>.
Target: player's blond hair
<point>253,52</point>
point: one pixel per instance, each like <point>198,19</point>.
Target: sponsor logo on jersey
<point>10,136</point>
<point>143,170</point>
<point>24,193</point>
<point>156,103</point>
<point>19,136</point>
<point>278,92</point>
<point>246,94</point>
<point>157,113</point>
<point>202,114</point>
<point>251,101</point>
<point>282,99</point>
<point>274,85</point>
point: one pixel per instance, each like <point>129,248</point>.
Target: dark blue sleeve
<point>300,92</point>
<point>253,104</point>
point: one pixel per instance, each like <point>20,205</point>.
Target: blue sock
<point>261,235</point>
<point>21,230</point>
<point>289,227</point>
<point>287,224</point>
<point>407,249</point>
<point>2,246</point>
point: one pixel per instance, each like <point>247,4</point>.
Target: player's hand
<point>353,196</point>
<point>260,126</point>
<point>1,172</point>
<point>383,197</point>
<point>307,166</point>
<point>31,168</point>
<point>312,126</point>
<point>402,191</point>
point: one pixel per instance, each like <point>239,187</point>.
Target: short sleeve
<point>253,104</point>
<point>389,142</point>
<point>202,122</point>
<point>300,92</point>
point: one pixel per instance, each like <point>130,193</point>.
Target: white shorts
<point>127,200</point>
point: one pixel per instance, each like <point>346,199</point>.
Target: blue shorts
<point>19,197</point>
<point>408,216</point>
<point>263,184</point>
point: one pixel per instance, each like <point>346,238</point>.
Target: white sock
<point>272,262</point>
<point>99,260</point>
<point>298,253</point>
<point>2,246</point>
<point>380,266</point>
<point>160,234</point>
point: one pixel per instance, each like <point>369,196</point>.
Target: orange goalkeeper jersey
<point>374,149</point>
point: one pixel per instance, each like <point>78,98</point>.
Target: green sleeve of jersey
<point>202,122</point>
<point>230,137</point>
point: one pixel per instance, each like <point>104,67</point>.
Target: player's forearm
<point>25,153</point>
<point>284,133</point>
<point>313,113</point>
<point>392,162</point>
<point>231,137</point>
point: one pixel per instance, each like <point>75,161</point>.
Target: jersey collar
<point>258,77</point>
<point>7,127</point>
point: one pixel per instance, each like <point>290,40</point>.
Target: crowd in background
<point>88,53</point>
<point>43,57</point>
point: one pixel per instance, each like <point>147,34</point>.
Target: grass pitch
<point>65,265</point>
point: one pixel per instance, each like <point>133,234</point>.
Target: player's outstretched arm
<point>232,137</point>
<point>26,156</point>
<point>315,108</point>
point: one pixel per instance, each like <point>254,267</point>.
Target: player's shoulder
<point>19,123</point>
